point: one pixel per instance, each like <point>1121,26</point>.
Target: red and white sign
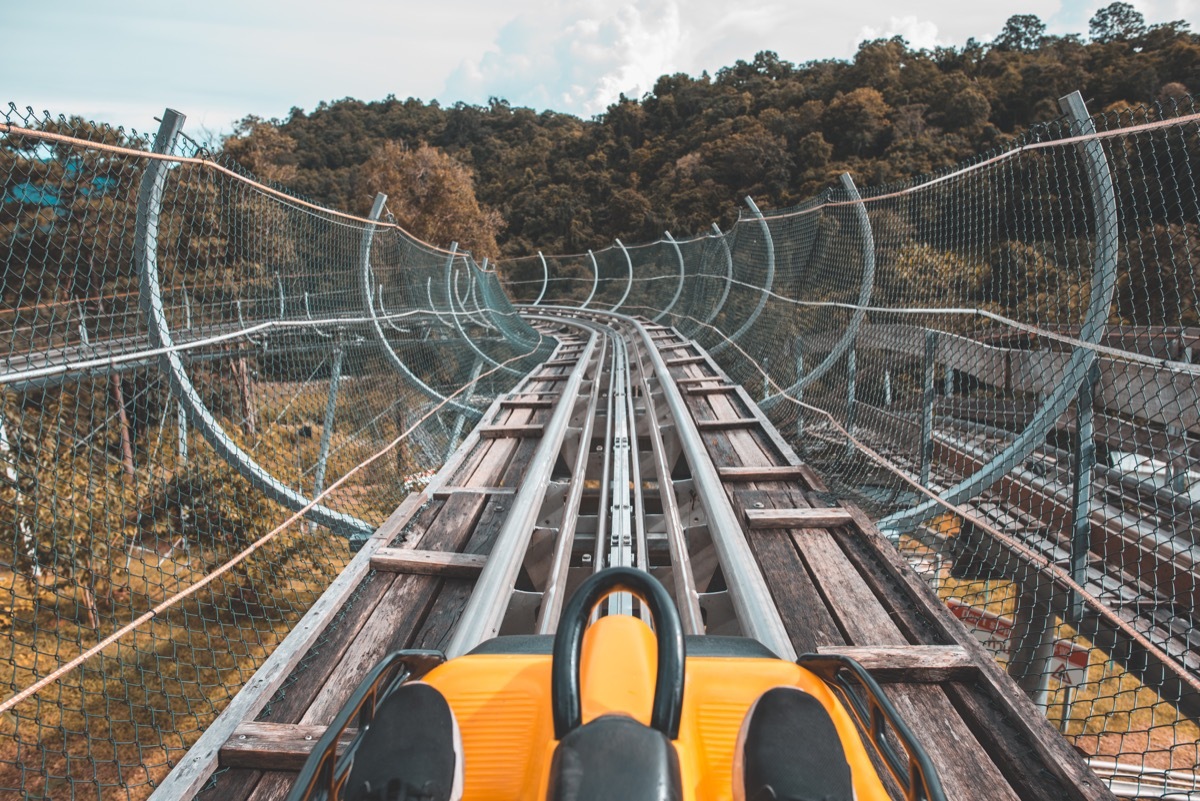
<point>1068,665</point>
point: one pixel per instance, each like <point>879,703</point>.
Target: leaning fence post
<point>931,339</point>
<point>171,363</point>
<point>629,283</point>
<point>461,419</point>
<point>1083,460</point>
<point>595,280</point>
<point>83,334</point>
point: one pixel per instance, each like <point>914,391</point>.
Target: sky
<point>221,60</point>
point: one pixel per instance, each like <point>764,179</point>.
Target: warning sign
<point>1068,665</point>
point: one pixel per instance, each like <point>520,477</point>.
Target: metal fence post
<point>461,419</point>
<point>712,315</point>
<point>1102,193</point>
<point>335,380</point>
<point>768,283</point>
<point>927,398</point>
<point>545,278</point>
<point>629,284</point>
<point>365,276</point>
<point>595,280</point>
<point>799,393</point>
<point>678,289</point>
<point>149,211</point>
<point>181,432</point>
<point>866,290</point>
<point>1083,460</point>
<point>851,380</point>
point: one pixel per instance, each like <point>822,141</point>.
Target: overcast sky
<point>222,59</point>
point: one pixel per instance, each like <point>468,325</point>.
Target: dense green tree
<point>683,155</point>
<point>1021,32</point>
<point>1118,22</point>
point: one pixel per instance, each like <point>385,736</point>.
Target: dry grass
<point>1111,714</point>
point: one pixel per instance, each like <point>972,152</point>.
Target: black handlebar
<point>565,701</point>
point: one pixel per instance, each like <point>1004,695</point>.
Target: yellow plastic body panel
<point>502,704</point>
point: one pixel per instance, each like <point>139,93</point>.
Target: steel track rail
<point>752,602</point>
<point>485,610</point>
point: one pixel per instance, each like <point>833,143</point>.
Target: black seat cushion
<point>789,750</point>
<point>412,749</point>
<point>615,758</point>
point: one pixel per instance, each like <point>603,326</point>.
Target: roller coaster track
<point>630,446</point>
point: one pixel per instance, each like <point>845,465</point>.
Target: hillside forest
<point>505,181</point>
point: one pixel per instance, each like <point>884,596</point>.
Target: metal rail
<point>484,613</point>
<point>753,606</point>
<point>146,247</point>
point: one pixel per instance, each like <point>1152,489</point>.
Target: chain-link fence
<point>1000,364</point>
<point>191,359</point>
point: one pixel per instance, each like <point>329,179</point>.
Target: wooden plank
<point>399,613</point>
<point>275,746</point>
<point>428,563</point>
<point>274,786</point>
<point>682,360</point>
<point>697,379</point>
<point>510,431</point>
<point>550,378</point>
<point>723,389</point>
<point>917,609</point>
<point>1006,744</point>
<point>797,518</point>
<point>805,616</point>
<point>762,473</point>
<point>922,664</point>
<point>230,785</point>
<point>526,403</point>
<point>965,768</point>
<point>442,493</point>
<point>560,363</point>
<point>726,425</point>
<point>439,624</point>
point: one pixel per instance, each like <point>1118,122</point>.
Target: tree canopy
<point>687,153</point>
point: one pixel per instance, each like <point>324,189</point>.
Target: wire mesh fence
<point>192,358</point>
<point>1000,364</point>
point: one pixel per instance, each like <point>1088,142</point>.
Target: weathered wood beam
<point>275,746</point>
<point>428,563</point>
<point>909,663</point>
<point>797,518</point>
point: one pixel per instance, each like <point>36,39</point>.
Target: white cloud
<point>577,56</point>
<point>228,58</point>
<point>920,34</point>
